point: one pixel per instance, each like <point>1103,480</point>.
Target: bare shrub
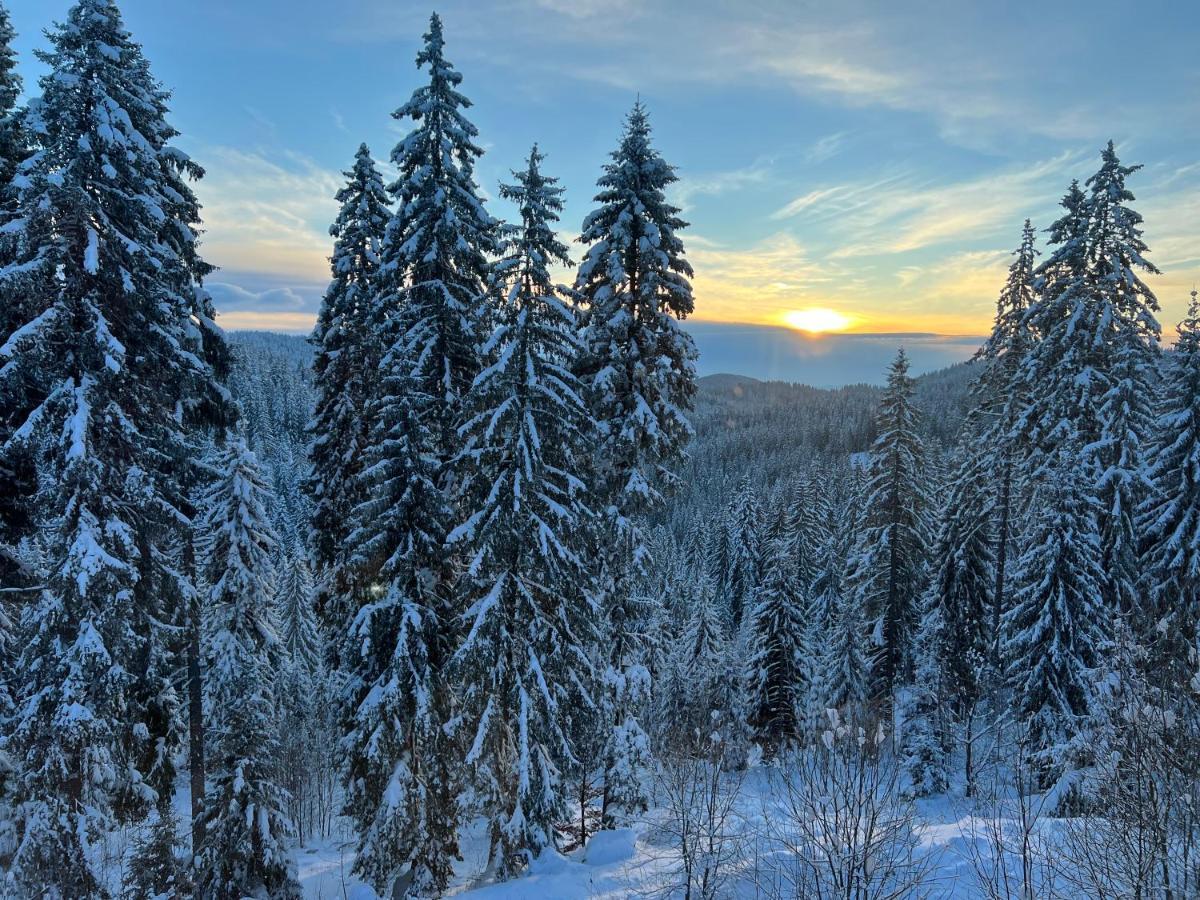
<point>699,792</point>
<point>846,829</point>
<point>1004,845</point>
<point>1141,834</point>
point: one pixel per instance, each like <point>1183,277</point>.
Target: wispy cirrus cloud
<point>689,187</point>
<point>267,213</point>
<point>905,212</point>
<point>826,147</point>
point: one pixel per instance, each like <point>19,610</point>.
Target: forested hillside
<point>768,432</point>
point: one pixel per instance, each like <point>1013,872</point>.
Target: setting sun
<point>817,320</point>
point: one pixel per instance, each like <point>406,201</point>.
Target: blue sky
<point>869,157</point>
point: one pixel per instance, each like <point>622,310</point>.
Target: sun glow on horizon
<point>816,320</point>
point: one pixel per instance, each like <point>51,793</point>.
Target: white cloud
<point>267,214</point>
<point>903,213</point>
<point>825,148</point>
<point>230,297</point>
<point>684,191</point>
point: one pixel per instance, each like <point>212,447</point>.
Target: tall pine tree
<point>12,138</point>
<point>1088,378</point>
<point>108,367</point>
<point>638,370</point>
<point>531,624</point>
<point>745,559</point>
<point>958,605</point>
<point>888,565</point>
<point>1056,626</point>
<point>776,673</point>
<point>430,309</point>
<point>245,827</point>
<point>344,368</point>
<point>1169,519</point>
<point>297,623</point>
<point>1128,307</point>
<point>991,428</point>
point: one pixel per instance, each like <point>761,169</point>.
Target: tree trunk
<point>195,736</point>
<point>1001,559</point>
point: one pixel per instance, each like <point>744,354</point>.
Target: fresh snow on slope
<point>639,862</point>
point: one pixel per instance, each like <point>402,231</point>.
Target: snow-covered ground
<point>640,862</point>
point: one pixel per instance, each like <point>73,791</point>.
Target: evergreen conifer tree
<point>638,371</point>
<point>1088,377</point>
<point>1128,306</point>
<point>1056,626</point>
<point>922,745</point>
<point>697,666</point>
<point>155,870</point>
<point>888,566</point>
<point>958,604</point>
<point>430,309</point>
<point>12,138</point>
<point>847,659</point>
<point>807,524</point>
<point>101,379</point>
<point>999,401</point>
<point>298,630</point>
<point>746,556</point>
<point>245,827</point>
<point>432,303</point>
<point>531,621</point>
<point>1169,519</point>
<point>344,368</point>
<point>776,671</point>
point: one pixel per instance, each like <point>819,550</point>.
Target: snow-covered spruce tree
<point>847,658</point>
<point>775,671</point>
<point>16,470</point>
<point>429,310</point>
<point>99,384</point>
<point>825,596</point>
<point>638,370</point>
<point>531,625</point>
<point>302,693</point>
<point>1169,519</point>
<point>807,524</point>
<point>1089,377</point>
<point>1116,251</point>
<point>244,853</point>
<point>433,300</point>
<point>958,600</point>
<point>297,620</point>
<point>745,522</point>
<point>396,790</point>
<point>717,553</point>
<point>155,871</point>
<point>691,687</point>
<point>344,367</point>
<point>12,139</point>
<point>999,401</point>
<point>923,755</point>
<point>1056,625</point>
<point>888,564</point>
<point>13,150</point>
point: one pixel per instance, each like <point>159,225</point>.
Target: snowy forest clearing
<point>953,848</point>
<point>945,849</point>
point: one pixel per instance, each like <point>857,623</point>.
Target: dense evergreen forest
<point>480,580</point>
